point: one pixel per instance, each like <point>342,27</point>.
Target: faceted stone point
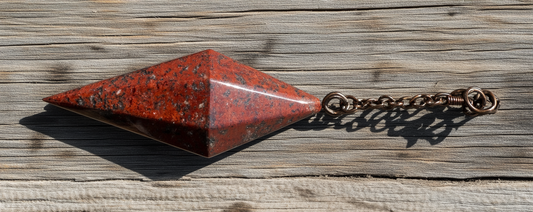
<point>205,103</point>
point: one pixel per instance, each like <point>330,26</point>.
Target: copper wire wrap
<point>475,101</point>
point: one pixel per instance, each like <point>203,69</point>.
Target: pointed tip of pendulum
<point>52,99</point>
<point>205,103</point>
<point>48,99</point>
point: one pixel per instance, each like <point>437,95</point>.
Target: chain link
<point>475,101</point>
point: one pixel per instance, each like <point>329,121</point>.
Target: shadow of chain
<point>432,126</point>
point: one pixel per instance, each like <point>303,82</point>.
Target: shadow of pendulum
<point>150,158</point>
<point>159,161</point>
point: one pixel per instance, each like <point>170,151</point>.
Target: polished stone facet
<point>205,103</point>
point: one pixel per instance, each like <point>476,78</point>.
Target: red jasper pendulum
<point>207,103</point>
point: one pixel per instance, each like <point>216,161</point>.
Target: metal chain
<point>475,101</point>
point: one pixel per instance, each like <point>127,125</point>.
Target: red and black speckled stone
<point>205,103</point>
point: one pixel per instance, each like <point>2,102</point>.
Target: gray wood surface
<point>283,194</point>
<point>364,48</point>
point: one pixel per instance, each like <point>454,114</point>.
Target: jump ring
<point>335,95</point>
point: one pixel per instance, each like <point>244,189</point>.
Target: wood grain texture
<point>364,48</point>
<point>248,195</point>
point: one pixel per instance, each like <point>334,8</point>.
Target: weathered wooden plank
<point>292,194</point>
<point>365,48</point>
